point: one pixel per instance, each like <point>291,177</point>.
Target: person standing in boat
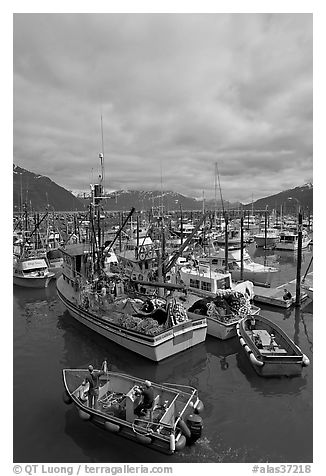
<point>287,295</point>
<point>92,378</point>
<point>147,394</point>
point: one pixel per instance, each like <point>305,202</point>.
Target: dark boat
<point>269,349</point>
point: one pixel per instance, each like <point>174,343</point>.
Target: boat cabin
<point>31,267</point>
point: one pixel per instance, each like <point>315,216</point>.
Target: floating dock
<point>274,296</point>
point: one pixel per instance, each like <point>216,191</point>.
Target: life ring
<point>150,253</point>
<point>142,253</point>
<point>140,277</point>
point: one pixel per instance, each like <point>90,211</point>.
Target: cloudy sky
<point>177,94</point>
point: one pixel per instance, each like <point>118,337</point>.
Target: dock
<point>274,296</point>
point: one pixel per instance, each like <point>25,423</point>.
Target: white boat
<point>31,272</point>
<point>255,272</point>
<point>289,240</point>
<point>55,261</point>
<point>269,349</point>
<point>213,295</point>
<point>266,241</point>
<point>172,421</point>
<point>121,318</point>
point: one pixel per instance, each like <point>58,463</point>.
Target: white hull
<point>171,342</point>
<point>255,277</point>
<point>38,282</point>
<point>220,330</point>
<point>292,246</point>
<point>270,241</point>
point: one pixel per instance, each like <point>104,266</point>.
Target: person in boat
<point>252,323</point>
<point>258,341</point>
<point>273,344</point>
<point>92,378</point>
<point>287,295</point>
<point>147,394</point>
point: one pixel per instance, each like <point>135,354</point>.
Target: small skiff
<point>269,349</point>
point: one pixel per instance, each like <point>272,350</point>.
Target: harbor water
<point>247,418</point>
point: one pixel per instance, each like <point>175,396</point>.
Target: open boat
<point>171,422</point>
<point>269,349</point>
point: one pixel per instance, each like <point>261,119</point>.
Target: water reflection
<point>276,386</point>
<point>81,347</point>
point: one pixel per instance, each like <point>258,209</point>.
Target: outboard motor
<point>195,425</point>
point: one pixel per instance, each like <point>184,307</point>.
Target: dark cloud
<point>177,93</point>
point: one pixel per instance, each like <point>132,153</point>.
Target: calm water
<point>247,418</point>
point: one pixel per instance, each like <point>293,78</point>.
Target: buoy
<point>184,428</point>
<point>144,439</point>
<point>111,427</point>
<point>83,415</point>
<point>172,443</point>
<point>305,360</point>
<point>180,443</point>
<point>199,406</point>
<point>255,361</point>
<point>66,397</point>
<point>195,425</point>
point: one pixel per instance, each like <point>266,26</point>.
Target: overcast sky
<point>177,94</point>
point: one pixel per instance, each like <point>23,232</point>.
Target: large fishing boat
<point>112,304</point>
<point>171,422</point>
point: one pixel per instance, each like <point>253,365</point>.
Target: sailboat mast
<point>102,156</point>
<point>215,189</point>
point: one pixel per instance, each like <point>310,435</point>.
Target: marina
<point>162,238</point>
<point>47,339</point>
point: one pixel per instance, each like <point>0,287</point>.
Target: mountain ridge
<point>40,192</point>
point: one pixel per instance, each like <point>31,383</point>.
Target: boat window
<point>34,270</point>
<point>206,286</point>
<point>194,283</point>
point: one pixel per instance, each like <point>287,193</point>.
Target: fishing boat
<point>269,349</point>
<point>55,261</point>
<point>289,240</point>
<point>151,328</point>
<point>116,305</point>
<point>252,271</point>
<point>267,240</point>
<point>172,422</point>
<point>213,295</point>
<point>31,272</point>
